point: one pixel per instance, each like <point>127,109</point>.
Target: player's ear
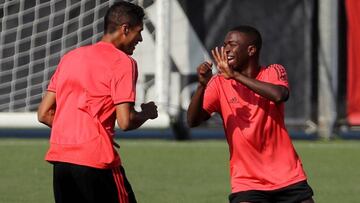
<point>125,28</point>
<point>252,49</point>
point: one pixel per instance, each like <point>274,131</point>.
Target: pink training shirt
<point>262,156</point>
<point>89,82</point>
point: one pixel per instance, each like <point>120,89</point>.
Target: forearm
<point>47,108</point>
<point>275,93</point>
<point>128,118</point>
<point>47,117</point>
<point>137,119</point>
<point>196,114</point>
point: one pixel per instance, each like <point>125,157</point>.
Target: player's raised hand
<point>204,72</point>
<point>222,63</point>
<point>149,109</point>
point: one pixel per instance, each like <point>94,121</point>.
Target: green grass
<point>185,172</point>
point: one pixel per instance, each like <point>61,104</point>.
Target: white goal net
<point>34,35</point>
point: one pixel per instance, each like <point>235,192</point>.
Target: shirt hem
<point>123,101</point>
<point>275,187</point>
<point>116,163</point>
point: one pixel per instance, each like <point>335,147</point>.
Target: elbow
<point>41,117</point>
<point>191,122</point>
<point>124,125</point>
<point>282,96</point>
<point>278,100</point>
<point>195,119</point>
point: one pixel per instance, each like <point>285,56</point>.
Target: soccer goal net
<point>34,36</point>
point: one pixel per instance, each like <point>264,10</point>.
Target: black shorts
<point>75,183</point>
<point>291,194</point>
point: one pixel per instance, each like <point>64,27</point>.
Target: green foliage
<point>184,172</point>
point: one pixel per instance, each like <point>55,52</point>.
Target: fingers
<point>207,64</point>
<point>150,104</point>
<point>204,68</point>
<point>150,109</point>
<point>219,54</point>
<point>220,57</point>
<point>216,54</point>
<point>223,54</point>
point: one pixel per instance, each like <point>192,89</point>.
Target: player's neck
<point>113,40</point>
<point>251,70</point>
<point>107,38</point>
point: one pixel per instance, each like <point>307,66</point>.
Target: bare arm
<point>47,107</point>
<point>275,93</point>
<point>196,114</point>
<point>128,118</point>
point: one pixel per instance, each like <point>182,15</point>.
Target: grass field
<point>163,171</point>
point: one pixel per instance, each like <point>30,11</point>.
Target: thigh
<point>64,185</point>
<point>296,193</point>
<point>75,183</point>
<point>251,196</point>
<point>96,185</point>
<point>128,188</point>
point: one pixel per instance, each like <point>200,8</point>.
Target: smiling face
<point>239,49</point>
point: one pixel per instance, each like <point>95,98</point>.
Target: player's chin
<point>232,63</point>
<point>130,51</point>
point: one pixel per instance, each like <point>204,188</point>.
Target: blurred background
<point>316,40</point>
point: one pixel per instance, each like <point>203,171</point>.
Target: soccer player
<point>92,87</point>
<point>264,166</point>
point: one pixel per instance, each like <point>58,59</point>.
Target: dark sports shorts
<point>75,183</point>
<point>295,193</point>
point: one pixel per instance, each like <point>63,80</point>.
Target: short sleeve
<point>211,102</point>
<point>123,81</point>
<point>54,79</point>
<point>277,75</point>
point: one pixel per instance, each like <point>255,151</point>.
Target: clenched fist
<point>204,73</point>
<point>149,109</point>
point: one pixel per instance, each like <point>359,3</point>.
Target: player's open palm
<point>150,110</point>
<point>222,63</point>
<point>204,73</point>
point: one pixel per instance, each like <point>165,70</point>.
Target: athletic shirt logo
<point>233,100</point>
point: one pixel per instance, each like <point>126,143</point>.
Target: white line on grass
<point>331,145</point>
<point>176,144</point>
<point>23,142</point>
<point>187,144</point>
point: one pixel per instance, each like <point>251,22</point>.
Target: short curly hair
<point>120,13</point>
<point>252,32</point>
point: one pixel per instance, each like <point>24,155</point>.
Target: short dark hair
<point>252,32</point>
<point>120,13</point>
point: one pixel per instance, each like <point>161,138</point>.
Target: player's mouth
<point>231,59</point>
